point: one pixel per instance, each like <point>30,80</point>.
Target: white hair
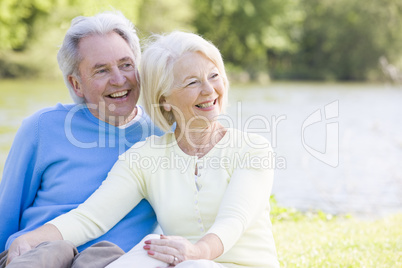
<point>157,74</point>
<point>103,23</point>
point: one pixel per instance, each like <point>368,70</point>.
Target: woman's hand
<point>176,249</point>
<point>30,240</point>
<point>172,249</point>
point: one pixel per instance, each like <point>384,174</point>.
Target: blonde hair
<point>156,71</point>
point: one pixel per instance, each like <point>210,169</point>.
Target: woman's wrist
<point>204,250</point>
<point>210,247</point>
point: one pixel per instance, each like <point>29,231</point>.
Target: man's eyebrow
<point>99,65</point>
<point>126,59</point>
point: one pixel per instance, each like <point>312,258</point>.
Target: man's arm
<point>18,186</point>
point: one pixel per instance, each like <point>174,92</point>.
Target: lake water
<point>349,161</point>
<point>338,146</point>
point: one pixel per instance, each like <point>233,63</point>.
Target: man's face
<point>108,78</point>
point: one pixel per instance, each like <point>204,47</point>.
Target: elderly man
<point>61,155</point>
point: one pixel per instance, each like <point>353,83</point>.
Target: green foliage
<point>344,39</point>
<point>291,39</point>
<point>12,69</point>
<point>244,30</point>
<point>279,214</point>
<point>17,18</point>
<point>159,16</point>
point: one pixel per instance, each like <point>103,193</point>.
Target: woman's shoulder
<point>153,144</point>
<point>247,138</point>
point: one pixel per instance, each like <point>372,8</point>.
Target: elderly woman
<point>207,183</point>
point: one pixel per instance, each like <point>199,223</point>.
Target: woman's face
<point>198,90</point>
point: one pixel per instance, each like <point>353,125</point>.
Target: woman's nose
<point>207,88</point>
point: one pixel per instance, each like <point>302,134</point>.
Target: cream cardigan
<point>232,200</point>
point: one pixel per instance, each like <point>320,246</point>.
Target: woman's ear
<point>166,106</point>
<point>76,85</point>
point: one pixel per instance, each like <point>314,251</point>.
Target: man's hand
<point>28,241</point>
<point>17,248</point>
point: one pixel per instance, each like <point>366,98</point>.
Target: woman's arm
<point>121,191</point>
<point>117,196</point>
<point>247,195</point>
<point>28,241</point>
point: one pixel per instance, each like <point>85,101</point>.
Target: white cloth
<point>138,257</point>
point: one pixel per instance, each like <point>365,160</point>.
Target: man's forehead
<point>102,44</point>
<point>96,50</point>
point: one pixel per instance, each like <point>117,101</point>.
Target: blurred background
<point>286,60</point>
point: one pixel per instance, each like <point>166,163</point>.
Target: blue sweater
<point>59,157</point>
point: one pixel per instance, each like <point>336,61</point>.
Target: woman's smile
<point>206,105</point>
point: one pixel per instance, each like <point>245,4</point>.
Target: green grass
<point>320,240</point>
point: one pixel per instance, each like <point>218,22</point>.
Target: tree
<point>244,30</point>
<point>344,39</point>
<point>17,18</point>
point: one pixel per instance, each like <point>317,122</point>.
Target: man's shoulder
<point>58,109</point>
<point>50,114</point>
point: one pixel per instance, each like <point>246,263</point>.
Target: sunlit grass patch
<point>305,241</point>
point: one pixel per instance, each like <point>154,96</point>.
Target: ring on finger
<point>175,260</point>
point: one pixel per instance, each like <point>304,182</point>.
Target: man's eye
<point>127,66</point>
<point>100,71</point>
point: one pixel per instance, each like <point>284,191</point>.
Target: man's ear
<point>76,85</point>
<point>166,106</point>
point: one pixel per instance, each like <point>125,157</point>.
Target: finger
<point>163,242</point>
<point>172,237</point>
<point>162,249</point>
<point>170,259</point>
<point>163,237</point>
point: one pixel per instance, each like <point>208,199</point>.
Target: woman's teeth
<point>205,105</point>
<point>119,94</point>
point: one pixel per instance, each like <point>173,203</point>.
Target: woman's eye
<point>214,75</point>
<point>191,83</point>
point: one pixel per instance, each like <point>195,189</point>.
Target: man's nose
<point>117,78</point>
